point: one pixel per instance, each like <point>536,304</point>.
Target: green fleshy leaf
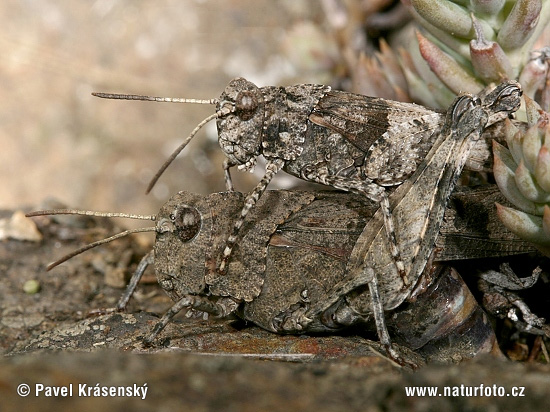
<point>513,139</point>
<point>490,7</point>
<point>488,59</point>
<point>533,75</point>
<point>528,187</point>
<point>520,24</point>
<point>542,169</point>
<point>458,45</point>
<point>530,147</point>
<point>533,111</point>
<point>524,225</point>
<point>424,85</point>
<point>503,169</point>
<point>445,15</point>
<point>454,76</point>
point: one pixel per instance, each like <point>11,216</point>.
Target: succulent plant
<point>469,44</point>
<point>456,46</point>
<point>522,172</point>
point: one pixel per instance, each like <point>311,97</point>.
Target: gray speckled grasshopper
<point>326,284</point>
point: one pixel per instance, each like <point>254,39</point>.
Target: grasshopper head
<point>470,113</point>
<point>240,124</point>
<point>191,234</point>
<point>240,119</point>
<point>502,101</point>
<point>181,243</point>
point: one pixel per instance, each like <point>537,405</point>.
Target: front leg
<point>228,164</point>
<point>147,260</point>
<point>273,166</point>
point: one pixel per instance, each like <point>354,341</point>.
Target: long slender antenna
<point>179,149</point>
<point>99,242</point>
<point>89,213</point>
<point>169,100</point>
<point>118,96</point>
<point>95,214</point>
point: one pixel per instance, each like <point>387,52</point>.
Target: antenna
<point>118,96</point>
<point>88,213</point>
<point>176,152</point>
<point>95,214</point>
<point>99,242</point>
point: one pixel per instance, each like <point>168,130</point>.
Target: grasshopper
<point>301,241</point>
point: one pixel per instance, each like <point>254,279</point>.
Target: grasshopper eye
<point>246,104</point>
<point>187,221</point>
<point>463,105</point>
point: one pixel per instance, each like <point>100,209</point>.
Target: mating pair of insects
<point>403,157</point>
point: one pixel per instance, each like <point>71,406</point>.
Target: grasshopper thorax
<point>240,124</point>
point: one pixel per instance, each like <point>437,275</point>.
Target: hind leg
<point>373,192</point>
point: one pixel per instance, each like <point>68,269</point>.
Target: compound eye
<point>187,221</point>
<point>463,105</point>
<point>246,104</point>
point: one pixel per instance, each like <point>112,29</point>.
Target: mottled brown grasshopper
<point>296,246</point>
<point>347,141</point>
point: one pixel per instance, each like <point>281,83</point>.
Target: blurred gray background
<point>58,141</point>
